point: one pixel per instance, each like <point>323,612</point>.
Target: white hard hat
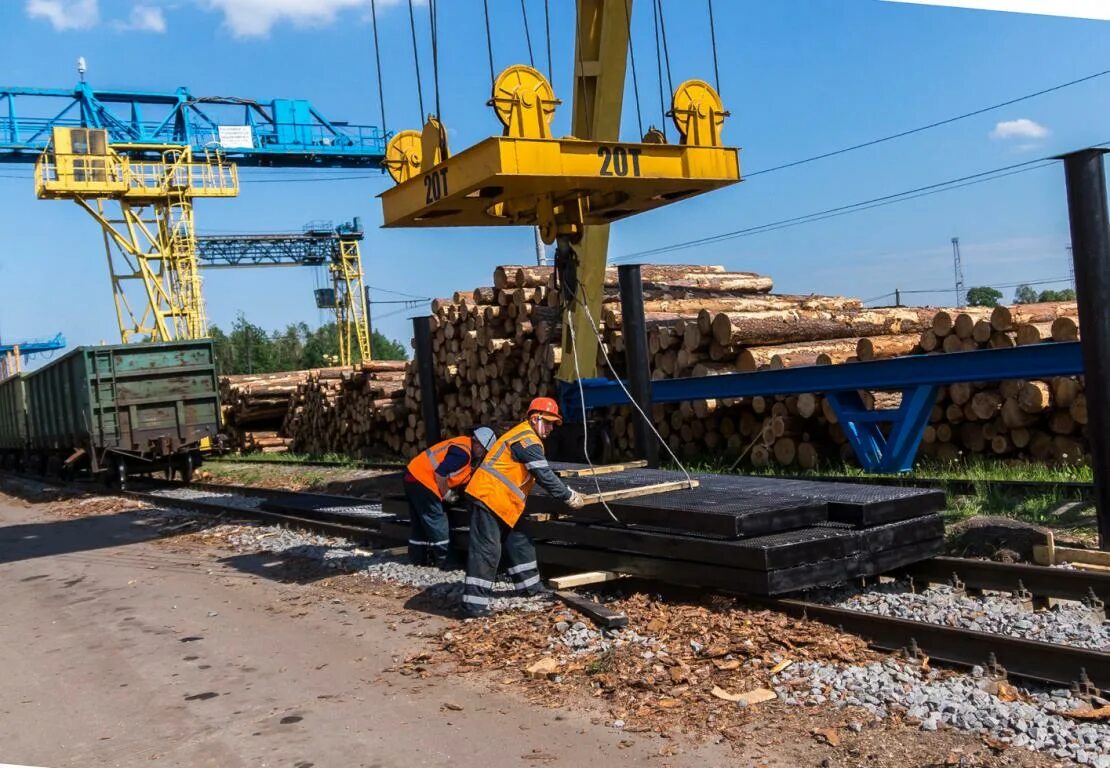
<point>485,437</point>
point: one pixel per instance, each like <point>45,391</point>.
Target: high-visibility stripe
<point>522,568</point>
<point>476,599</point>
<point>429,543</point>
<point>474,581</point>
<point>537,464</point>
<point>528,582</point>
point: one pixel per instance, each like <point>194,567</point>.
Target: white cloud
<point>1022,128</point>
<point>146,18</point>
<point>255,18</point>
<point>65,14</point>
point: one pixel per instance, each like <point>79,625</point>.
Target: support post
<point>429,400</point>
<point>1085,175</point>
<point>634,332</point>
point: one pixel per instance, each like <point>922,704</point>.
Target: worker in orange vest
<point>433,477</point>
<point>497,493</point>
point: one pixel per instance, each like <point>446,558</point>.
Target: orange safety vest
<point>423,466</point>
<point>502,483</point>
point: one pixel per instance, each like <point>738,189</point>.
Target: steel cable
<point>378,64</point>
<point>416,62</point>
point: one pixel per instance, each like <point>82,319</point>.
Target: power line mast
<point>1071,267</point>
<point>957,265</point>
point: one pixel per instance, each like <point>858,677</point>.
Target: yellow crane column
<point>152,242</point>
<point>601,49</point>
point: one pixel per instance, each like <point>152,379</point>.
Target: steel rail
<point>1031,659</point>
<point>1036,580</point>
<point>328,527</point>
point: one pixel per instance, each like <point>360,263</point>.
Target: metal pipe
<point>634,331</point>
<point>1085,175</point>
<point>429,400</point>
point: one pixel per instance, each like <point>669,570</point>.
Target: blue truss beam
<point>283,133</point>
<point>28,348</point>
<point>317,245</point>
<point>916,377</point>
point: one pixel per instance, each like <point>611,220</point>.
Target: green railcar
<point>124,408</point>
<point>13,421</point>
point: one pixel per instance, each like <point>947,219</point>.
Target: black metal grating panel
<point>877,562</point>
<point>902,533</point>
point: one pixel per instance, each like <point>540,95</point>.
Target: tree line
<point>985,296</point>
<point>249,348</point>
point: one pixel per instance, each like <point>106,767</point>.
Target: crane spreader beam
<point>286,133</point>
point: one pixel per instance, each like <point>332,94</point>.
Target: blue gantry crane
<point>12,354</point>
<point>150,154</point>
<point>319,244</point>
<point>285,133</point>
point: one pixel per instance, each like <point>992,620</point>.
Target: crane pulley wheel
<point>402,155</point>
<point>697,103</point>
<point>523,88</point>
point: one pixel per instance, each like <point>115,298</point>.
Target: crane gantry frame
<point>570,188</point>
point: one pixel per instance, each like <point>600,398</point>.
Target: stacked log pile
<point>254,407</point>
<point>358,411</point>
<point>1042,420</point>
<point>497,347</point>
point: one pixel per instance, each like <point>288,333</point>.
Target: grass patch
<point>331,459</point>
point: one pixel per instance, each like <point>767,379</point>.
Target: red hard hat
<point>547,408</point>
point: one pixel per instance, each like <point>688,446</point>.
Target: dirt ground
<point>125,642</point>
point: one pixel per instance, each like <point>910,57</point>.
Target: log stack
<point>1040,420</point>
<point>254,407</point>
<point>497,347</point>
<point>358,411</point>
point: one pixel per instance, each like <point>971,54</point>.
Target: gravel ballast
<point>1067,623</point>
<point>1035,720</point>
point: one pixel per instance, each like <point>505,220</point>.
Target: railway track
<point>1086,670</point>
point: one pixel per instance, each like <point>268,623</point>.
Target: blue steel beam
<point>283,132</point>
<point>1033,361</point>
<point>28,348</point>
<point>879,449</point>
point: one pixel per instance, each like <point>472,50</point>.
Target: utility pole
<point>961,292</point>
<point>1071,267</point>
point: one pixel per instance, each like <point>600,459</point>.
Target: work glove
<point>575,501</point>
<point>450,497</point>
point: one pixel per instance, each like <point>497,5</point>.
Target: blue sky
<point>800,77</point>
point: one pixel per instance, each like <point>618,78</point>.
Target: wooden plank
<point>601,469</point>
<point>583,579</point>
<point>597,613</point>
<point>1050,555</point>
<point>640,490</point>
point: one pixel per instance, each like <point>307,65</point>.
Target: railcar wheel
<point>188,467</point>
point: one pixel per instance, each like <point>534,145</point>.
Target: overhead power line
<point>930,126</point>
<point>843,210</point>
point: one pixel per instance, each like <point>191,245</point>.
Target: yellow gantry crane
<point>571,188</point>
<point>319,243</point>
<point>151,242</point>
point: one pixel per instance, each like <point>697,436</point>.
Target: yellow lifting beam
<point>151,243</point>
<point>571,188</point>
